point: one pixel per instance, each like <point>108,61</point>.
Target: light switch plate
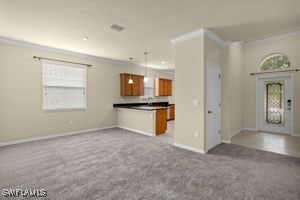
<point>196,102</point>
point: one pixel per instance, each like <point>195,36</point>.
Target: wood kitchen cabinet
<point>134,89</point>
<point>163,87</point>
<point>161,121</point>
<point>172,112</point>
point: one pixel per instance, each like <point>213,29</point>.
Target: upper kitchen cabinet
<point>136,88</point>
<point>163,87</point>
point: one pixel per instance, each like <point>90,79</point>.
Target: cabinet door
<point>126,89</point>
<point>161,121</point>
<point>170,88</point>
<point>156,87</point>
<point>161,87</point>
<point>135,85</point>
<point>141,86</point>
<point>167,87</point>
<point>172,112</point>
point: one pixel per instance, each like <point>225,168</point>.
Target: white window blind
<point>64,86</point>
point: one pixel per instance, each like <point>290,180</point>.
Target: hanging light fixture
<point>145,77</point>
<point>130,81</point>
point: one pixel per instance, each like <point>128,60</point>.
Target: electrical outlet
<point>196,134</point>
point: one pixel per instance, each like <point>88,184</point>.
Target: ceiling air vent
<point>117,28</point>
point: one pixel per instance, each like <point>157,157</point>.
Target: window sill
<point>64,110</point>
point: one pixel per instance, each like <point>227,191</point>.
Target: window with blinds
<point>64,86</point>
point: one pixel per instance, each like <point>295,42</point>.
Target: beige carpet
<point>118,164</point>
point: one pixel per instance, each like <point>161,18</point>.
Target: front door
<point>213,86</point>
<point>274,104</point>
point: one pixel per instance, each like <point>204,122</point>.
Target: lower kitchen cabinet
<point>161,121</point>
<point>172,112</point>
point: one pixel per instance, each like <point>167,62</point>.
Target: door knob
<point>210,111</point>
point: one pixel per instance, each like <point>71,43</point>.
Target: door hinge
<point>219,76</point>
<point>219,132</point>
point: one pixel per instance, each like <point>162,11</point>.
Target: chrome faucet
<point>149,101</point>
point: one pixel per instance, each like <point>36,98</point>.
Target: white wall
<point>192,57</point>
<point>189,85</point>
<point>21,115</point>
<point>253,54</point>
<point>212,54</point>
<point>138,120</point>
<point>230,59</point>
<point>232,90</point>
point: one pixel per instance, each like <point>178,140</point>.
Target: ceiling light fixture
<point>130,81</point>
<point>145,77</point>
<point>85,38</point>
<point>163,62</point>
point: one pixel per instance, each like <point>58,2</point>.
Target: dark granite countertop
<point>143,106</point>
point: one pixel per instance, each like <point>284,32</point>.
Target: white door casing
<point>213,99</point>
<point>287,125</point>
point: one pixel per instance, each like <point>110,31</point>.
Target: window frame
<point>43,85</point>
<point>271,56</point>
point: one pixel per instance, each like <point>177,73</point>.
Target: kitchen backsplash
<point>138,99</point>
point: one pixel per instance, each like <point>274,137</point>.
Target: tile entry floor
<point>273,142</point>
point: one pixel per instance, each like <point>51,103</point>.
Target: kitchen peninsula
<point>146,119</point>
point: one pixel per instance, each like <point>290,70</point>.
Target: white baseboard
<point>232,134</point>
<point>190,148</point>
<point>54,136</point>
<point>236,132</point>
<point>134,130</point>
<point>226,141</point>
<point>253,129</point>
<point>250,129</point>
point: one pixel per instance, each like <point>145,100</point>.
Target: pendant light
<point>145,77</point>
<point>130,81</point>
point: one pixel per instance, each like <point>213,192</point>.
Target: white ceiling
<point>149,24</point>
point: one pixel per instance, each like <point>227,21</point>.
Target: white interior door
<point>274,104</point>
<point>213,94</point>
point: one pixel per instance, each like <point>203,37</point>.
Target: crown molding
<point>272,38</point>
<point>203,31</point>
<point>61,51</point>
<point>188,36</point>
<point>20,43</point>
<point>227,43</point>
<point>215,37</point>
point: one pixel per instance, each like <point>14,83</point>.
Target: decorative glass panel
<point>275,62</point>
<point>274,102</point>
